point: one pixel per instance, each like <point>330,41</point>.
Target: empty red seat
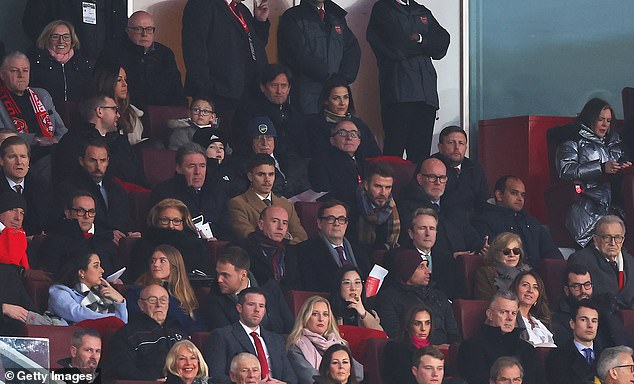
<point>470,315</point>
<point>158,165</point>
<point>155,120</point>
<point>551,271</point>
<point>295,299</point>
<point>627,315</point>
<point>126,244</point>
<point>467,267</point>
<point>374,360</point>
<point>307,212</point>
<point>59,337</point>
<point>357,338</point>
<point>200,339</point>
<point>213,249</point>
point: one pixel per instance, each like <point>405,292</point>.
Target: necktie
<point>267,202</point>
<point>457,169</point>
<point>615,267</point>
<point>322,14</point>
<point>588,353</point>
<point>342,257</point>
<point>436,207</point>
<point>104,194</point>
<point>18,188</point>
<point>259,349</point>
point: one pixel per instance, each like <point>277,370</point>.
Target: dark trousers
<point>408,126</point>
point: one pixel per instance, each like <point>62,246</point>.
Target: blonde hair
<point>303,316</point>
<point>170,360</point>
<point>155,213</point>
<point>42,40</point>
<point>500,242</point>
<point>177,282</point>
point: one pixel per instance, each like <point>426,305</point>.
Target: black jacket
<point>338,174</point>
<point>493,220</point>
<point>262,266</point>
<point>315,50</point>
<point>65,82</point>
<point>477,354</point>
<point>565,365</point>
<point>153,77</point>
<point>112,18</point>
<point>319,137</point>
<point>12,292</point>
<point>406,72</point>
<point>210,202</point>
<point>141,347</point>
<point>398,362</point>
<point>291,178</point>
<point>38,193</point>
<point>217,52</point>
<point>393,302</point>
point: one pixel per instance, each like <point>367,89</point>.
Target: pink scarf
<point>61,58</point>
<point>314,345</point>
<point>418,342</point>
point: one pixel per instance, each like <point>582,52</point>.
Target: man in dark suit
<point>15,176</point>
<point>610,265</point>
<point>233,276</point>
<point>467,186</point>
<point>246,335</point>
<point>111,200</point>
<point>322,256</point>
<point>574,362</point>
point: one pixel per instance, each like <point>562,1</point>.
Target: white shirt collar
<point>12,183</point>
<point>581,347</point>
<point>248,330</point>
<point>2,227</point>
<point>265,197</point>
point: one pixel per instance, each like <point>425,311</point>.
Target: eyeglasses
<point>140,30</point>
<point>331,219</point>
<point>82,212</point>
<point>507,251</point>
<point>577,286</point>
<point>618,239</point>
<point>630,366</point>
<point>155,300</point>
<point>167,220</point>
<point>65,37</point>
<point>347,134</point>
<point>347,283</point>
<point>202,112</point>
<point>442,179</point>
<point>114,107</point>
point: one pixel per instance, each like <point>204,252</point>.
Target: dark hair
<point>584,303</point>
<point>329,204</point>
<point>575,269</point>
<point>592,110</point>
<point>10,142</point>
<point>540,310</point>
<point>337,303</point>
<point>404,334</point>
<point>500,184</point>
<point>89,104</point>
<point>78,336</point>
<point>235,256</point>
<point>430,350</point>
<point>260,159</point>
<point>77,261</point>
<point>242,296</point>
<point>95,142</point>
<point>188,149</point>
<point>449,130</point>
<point>68,202</point>
<point>378,168</point>
<point>326,359</point>
<point>329,85</point>
<point>202,98</point>
<point>271,71</point>
<point>105,77</point>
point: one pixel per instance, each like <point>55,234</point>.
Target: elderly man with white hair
<point>616,366</point>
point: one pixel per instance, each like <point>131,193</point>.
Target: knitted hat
<point>405,263</point>
<point>205,136</point>
<point>260,126</point>
<point>10,200</point>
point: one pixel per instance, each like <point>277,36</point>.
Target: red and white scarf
<point>41,114</point>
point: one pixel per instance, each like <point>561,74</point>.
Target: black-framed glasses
<point>140,30</point>
<point>82,212</point>
<point>331,219</point>
<point>515,251</point>
<point>577,286</point>
<point>114,107</point>
<point>65,37</point>
<point>630,366</point>
<point>155,300</point>
<point>347,134</point>
<point>202,112</point>
<point>167,220</point>
<point>442,179</point>
<point>618,239</point>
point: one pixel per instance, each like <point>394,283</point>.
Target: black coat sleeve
<point>197,20</point>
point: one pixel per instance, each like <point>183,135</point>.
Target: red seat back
<point>467,267</point>
<point>374,360</point>
<point>307,212</point>
<point>551,271</point>
<point>60,337</point>
<point>213,250</point>
<point>38,292</point>
<point>627,316</point>
<point>357,338</point>
<point>470,315</point>
<point>139,202</point>
<point>404,171</point>
<point>200,339</point>
<point>155,120</point>
<point>295,299</point>
<point>125,249</point>
<point>158,165</point>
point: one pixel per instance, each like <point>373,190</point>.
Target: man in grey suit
<point>611,266</point>
<point>247,336</point>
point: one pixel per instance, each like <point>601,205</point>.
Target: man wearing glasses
<point>153,77</point>
<point>616,366</point>
<point>322,256</point>
<point>141,346</point>
<point>609,264</point>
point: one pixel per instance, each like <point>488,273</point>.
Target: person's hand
<point>15,312</point>
<point>38,274</point>
<point>44,141</point>
<point>356,304</point>
<point>485,246</point>
<point>611,167</point>
<point>443,346</point>
<point>109,292</point>
<point>134,234</point>
<point>116,236</point>
<point>414,37</point>
<point>261,12</point>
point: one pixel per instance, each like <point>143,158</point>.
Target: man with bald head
<point>139,348</point>
<point>152,75</point>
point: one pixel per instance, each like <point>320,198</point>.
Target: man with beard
<point>85,353</point>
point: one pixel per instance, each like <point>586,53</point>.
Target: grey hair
<point>238,358</point>
<point>609,359</point>
<point>609,219</point>
<point>503,362</point>
<point>11,56</point>
<point>504,294</point>
<point>421,212</point>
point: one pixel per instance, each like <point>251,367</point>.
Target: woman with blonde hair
<point>166,268</point>
<point>502,263</point>
<point>58,65</point>
<point>185,364</point>
<point>314,332</point>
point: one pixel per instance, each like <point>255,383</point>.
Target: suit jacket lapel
<point>274,353</point>
<point>255,201</point>
<point>243,338</point>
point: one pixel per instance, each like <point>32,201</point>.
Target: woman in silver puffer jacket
<point>591,158</point>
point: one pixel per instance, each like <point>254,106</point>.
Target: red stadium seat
<point>213,249</point>
<point>158,165</point>
<point>155,120</point>
<point>404,171</point>
<point>200,339</point>
<point>374,360</point>
<point>358,338</point>
<point>470,315</point>
<point>307,212</point>
<point>59,346</point>
<point>139,202</point>
<point>551,271</point>
<point>467,267</point>
<point>38,292</point>
<point>125,250</point>
<point>295,299</point>
<point>627,315</point>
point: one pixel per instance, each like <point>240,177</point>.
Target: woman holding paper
<point>348,299</point>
